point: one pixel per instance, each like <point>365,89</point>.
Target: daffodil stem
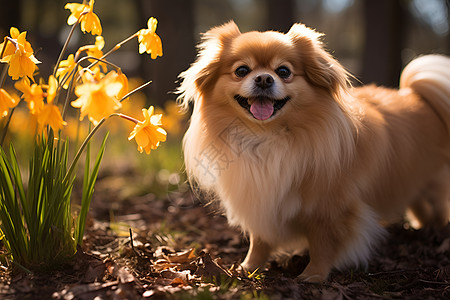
<point>71,74</point>
<point>5,129</point>
<point>66,44</point>
<point>115,48</point>
<point>102,61</point>
<point>69,89</point>
<point>2,82</point>
<point>14,41</point>
<point>88,138</point>
<point>118,45</point>
<point>6,66</point>
<point>82,147</point>
<point>135,90</point>
<point>3,75</point>
<point>97,61</point>
<point>128,118</point>
<point>4,46</point>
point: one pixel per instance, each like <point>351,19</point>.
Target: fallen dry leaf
<point>209,269</point>
<point>121,273</point>
<point>182,257</point>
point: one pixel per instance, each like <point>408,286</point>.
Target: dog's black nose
<point>264,81</point>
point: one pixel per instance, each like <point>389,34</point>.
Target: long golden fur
<point>328,168</point>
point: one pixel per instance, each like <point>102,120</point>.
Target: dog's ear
<point>321,69</point>
<point>223,33</point>
<point>214,42</point>
<point>204,72</point>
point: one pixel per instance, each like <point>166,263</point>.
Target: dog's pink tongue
<point>262,109</point>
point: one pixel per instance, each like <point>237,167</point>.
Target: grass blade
<point>89,180</point>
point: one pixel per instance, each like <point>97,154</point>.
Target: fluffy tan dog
<point>300,159</point>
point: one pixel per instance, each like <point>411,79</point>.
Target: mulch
<point>181,248</point>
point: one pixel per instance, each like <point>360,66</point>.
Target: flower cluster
<point>99,85</point>
<point>46,113</point>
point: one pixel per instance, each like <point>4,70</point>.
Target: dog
<point>300,159</point>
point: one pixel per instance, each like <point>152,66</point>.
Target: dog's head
<point>259,74</point>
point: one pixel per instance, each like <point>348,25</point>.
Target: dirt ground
<point>179,248</point>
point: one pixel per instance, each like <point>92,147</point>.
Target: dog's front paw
<point>239,270</point>
<point>248,267</point>
<point>244,272</point>
<point>314,273</point>
<point>313,278</point>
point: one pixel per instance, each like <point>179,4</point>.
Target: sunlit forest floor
<point>168,244</point>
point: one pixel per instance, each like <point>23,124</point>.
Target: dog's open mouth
<point>261,108</point>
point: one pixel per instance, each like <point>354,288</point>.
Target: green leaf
<point>10,213</point>
<point>89,180</point>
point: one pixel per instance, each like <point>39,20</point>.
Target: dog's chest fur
<point>259,188</point>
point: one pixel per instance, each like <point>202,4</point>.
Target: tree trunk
<point>384,40</point>
<point>280,15</point>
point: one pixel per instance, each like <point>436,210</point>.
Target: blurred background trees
<point>374,39</point>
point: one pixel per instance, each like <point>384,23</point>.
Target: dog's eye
<point>242,71</point>
<point>283,72</point>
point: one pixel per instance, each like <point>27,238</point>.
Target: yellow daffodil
<point>50,114</point>
<point>89,21</point>
<point>6,102</point>
<point>19,55</point>
<point>149,41</point>
<point>45,113</point>
<point>64,68</point>
<point>148,133</point>
<point>33,94</point>
<point>96,49</point>
<point>98,99</point>
<point>76,9</point>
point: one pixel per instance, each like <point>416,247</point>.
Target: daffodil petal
<point>142,139</point>
<point>152,23</point>
<point>33,59</point>
<point>14,32</point>
<point>71,20</point>
<point>114,89</point>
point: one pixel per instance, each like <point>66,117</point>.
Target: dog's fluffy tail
<point>429,76</point>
